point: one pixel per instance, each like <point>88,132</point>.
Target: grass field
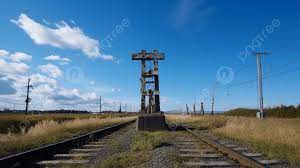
<point>16,123</point>
<point>275,137</point>
<point>199,122</point>
<point>50,131</point>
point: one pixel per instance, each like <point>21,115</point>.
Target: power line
<point>266,76</point>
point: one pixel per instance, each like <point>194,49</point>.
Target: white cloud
<point>107,57</point>
<point>41,79</point>
<point>51,70</point>
<point>12,67</point>
<point>74,96</point>
<point>61,60</point>
<point>19,57</point>
<point>43,89</point>
<point>61,36</point>
<point>3,53</point>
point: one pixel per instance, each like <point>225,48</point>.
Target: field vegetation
<point>278,112</point>
<point>199,122</point>
<point>18,122</point>
<point>49,131</point>
<point>278,138</point>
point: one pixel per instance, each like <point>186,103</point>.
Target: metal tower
<point>149,80</point>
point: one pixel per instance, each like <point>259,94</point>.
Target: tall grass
<point>199,122</point>
<point>12,122</point>
<point>50,131</point>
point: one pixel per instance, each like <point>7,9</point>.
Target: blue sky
<point>50,40</point>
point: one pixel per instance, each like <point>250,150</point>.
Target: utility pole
<point>260,87</point>
<point>120,109</point>
<point>202,109</point>
<point>187,109</point>
<point>100,104</point>
<point>27,96</point>
<point>213,98</point>
<point>194,106</point>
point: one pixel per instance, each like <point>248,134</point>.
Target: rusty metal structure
<point>149,80</point>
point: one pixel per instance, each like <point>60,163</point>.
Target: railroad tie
<point>186,143</point>
<point>240,149</point>
<point>59,162</point>
<point>98,143</point>
<point>94,145</point>
<point>189,155</point>
<point>87,150</point>
<point>252,154</point>
<point>71,155</point>
<point>270,162</point>
<point>197,150</point>
<point>186,140</point>
<point>231,145</point>
<point>209,164</point>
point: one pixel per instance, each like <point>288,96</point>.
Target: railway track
<point>75,151</point>
<point>201,149</point>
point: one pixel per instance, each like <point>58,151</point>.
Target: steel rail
<point>242,159</point>
<point>31,157</point>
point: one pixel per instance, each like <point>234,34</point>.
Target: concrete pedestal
<point>151,122</point>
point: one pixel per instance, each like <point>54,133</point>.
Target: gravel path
<point>164,157</point>
<point>122,141</point>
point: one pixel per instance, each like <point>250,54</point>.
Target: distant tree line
<point>277,111</point>
<point>61,111</point>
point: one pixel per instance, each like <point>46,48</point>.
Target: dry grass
<point>49,131</point>
<point>17,122</point>
<point>278,138</point>
<point>198,122</point>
